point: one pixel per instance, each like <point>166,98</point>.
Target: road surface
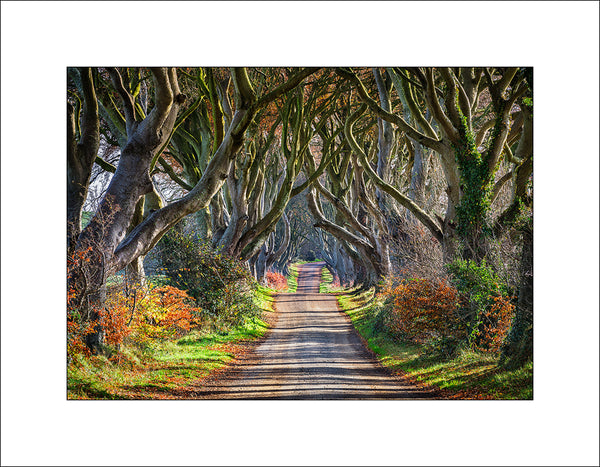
<point>312,352</point>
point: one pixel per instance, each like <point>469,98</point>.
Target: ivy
<point>476,184</point>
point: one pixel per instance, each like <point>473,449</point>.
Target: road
<point>312,352</point>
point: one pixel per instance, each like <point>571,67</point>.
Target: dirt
<point>312,352</point>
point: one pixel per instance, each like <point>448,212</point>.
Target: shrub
<point>425,311</point>
<point>143,315</point>
<point>220,285</point>
<point>79,324</point>
<point>77,330</point>
<point>276,281</point>
<point>485,307</point>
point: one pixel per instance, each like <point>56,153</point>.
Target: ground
<point>312,352</point>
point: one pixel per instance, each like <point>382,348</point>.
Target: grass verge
<point>155,372</point>
<point>326,280</point>
<point>292,280</point>
<point>470,375</point>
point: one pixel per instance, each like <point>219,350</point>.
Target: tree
<point>457,111</point>
<point>107,243</point>
<point>83,141</point>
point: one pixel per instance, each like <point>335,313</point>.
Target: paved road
<point>313,352</point>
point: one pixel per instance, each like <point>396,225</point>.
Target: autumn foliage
<point>78,323</point>
<point>276,280</point>
<point>471,309</point>
<point>143,315</point>
<point>495,324</point>
<point>424,309</point>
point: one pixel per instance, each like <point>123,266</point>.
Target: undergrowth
<point>329,282</point>
<point>292,280</point>
<point>468,374</point>
<point>159,368</point>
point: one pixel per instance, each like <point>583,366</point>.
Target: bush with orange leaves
<point>485,304</point>
<point>494,325</point>
<point>424,310</point>
<point>142,315</point>
<point>276,281</point>
<point>79,324</point>
<point>446,316</point>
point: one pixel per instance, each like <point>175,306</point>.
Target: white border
<point>560,39</point>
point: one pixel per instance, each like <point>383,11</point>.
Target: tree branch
<point>173,176</point>
<point>436,108</point>
<point>163,101</point>
<point>392,118</point>
<point>291,83</point>
<point>404,91</point>
<point>403,200</point>
<point>105,165</point>
<point>126,98</point>
<point>498,186</point>
<point>335,229</point>
<point>90,123</point>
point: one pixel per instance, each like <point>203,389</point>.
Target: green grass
<point>470,375</point>
<point>326,280</point>
<point>265,298</point>
<point>168,365</point>
<point>292,279</point>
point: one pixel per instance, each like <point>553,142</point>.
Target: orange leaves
<point>424,309</point>
<point>143,315</point>
<point>135,315</point>
<point>76,332</point>
<point>276,281</point>
<point>496,322</point>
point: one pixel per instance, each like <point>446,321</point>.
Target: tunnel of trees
<point>383,173</point>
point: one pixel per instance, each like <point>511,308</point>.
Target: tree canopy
<point>375,159</point>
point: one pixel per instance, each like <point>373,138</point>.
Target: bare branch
<point>404,90</point>
<point>403,200</point>
<point>498,186</point>
<point>291,83</point>
<point>392,118</point>
<point>436,109</point>
<point>126,98</point>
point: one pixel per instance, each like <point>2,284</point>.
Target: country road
<point>312,352</point>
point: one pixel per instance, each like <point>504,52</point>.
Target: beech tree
<point>481,116</point>
<point>361,144</point>
<point>106,243</point>
<point>83,140</point>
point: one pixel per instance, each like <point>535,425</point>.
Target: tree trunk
<point>81,154</point>
<point>95,339</point>
<point>518,347</point>
<point>274,256</point>
<point>261,266</point>
<point>340,265</point>
<point>219,218</point>
<point>418,175</point>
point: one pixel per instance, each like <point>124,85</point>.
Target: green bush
<point>221,286</point>
<point>484,304</point>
